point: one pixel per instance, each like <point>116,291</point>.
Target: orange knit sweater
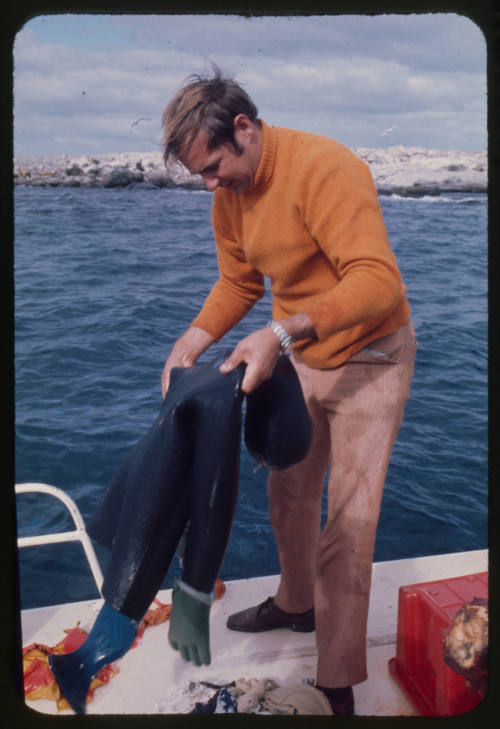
<point>311,223</point>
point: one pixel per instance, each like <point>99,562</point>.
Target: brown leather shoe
<point>341,700</point>
<point>268,616</point>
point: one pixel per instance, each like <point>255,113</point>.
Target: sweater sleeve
<point>239,285</point>
<point>342,213</point>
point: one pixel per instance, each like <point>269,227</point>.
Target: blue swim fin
<point>110,638</point>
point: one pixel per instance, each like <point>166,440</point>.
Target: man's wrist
<point>192,343</point>
<point>286,339</point>
<point>295,327</point>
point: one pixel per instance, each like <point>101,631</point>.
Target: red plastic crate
<point>425,613</point>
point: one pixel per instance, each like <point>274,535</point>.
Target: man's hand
<point>261,349</point>
<point>185,352</point>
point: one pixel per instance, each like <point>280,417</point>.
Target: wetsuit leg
<point>153,506</point>
<point>213,486</point>
<point>213,482</point>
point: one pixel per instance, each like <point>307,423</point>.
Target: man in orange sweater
<point>303,211</point>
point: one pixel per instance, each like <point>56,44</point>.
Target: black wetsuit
<point>184,472</point>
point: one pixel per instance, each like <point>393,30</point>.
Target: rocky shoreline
<point>396,170</point>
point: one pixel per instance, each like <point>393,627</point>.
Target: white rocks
<point>417,170</point>
<point>404,170</point>
<point>107,170</point>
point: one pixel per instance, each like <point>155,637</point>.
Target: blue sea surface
<point>107,279</point>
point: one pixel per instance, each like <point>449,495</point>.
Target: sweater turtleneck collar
<point>265,169</point>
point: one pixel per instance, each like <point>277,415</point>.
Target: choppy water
<point>105,280</point>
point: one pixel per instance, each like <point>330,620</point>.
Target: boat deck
<point>153,679</point>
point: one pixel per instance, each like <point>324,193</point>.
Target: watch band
<point>286,340</point>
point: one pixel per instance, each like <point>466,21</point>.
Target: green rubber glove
<point>189,632</point>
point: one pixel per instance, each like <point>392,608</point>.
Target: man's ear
<point>242,124</point>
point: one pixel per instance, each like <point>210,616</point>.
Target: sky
<point>96,84</point>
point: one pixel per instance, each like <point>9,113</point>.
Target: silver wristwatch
<point>286,340</point>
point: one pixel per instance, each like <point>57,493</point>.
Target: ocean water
<point>105,280</point>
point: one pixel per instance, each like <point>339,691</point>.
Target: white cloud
<point>348,77</point>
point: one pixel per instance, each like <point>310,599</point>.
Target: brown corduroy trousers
<point>357,410</point>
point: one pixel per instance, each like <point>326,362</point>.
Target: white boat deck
<point>153,679</point>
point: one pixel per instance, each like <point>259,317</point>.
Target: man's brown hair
<point>205,103</point>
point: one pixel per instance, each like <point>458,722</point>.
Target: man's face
<point>222,167</point>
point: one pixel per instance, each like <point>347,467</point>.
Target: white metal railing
<point>78,534</point>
